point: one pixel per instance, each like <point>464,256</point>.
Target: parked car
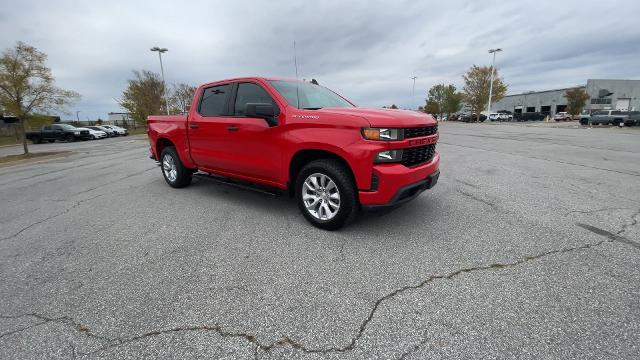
<point>473,118</point>
<point>109,132</point>
<point>118,130</point>
<point>55,132</point>
<point>608,117</point>
<point>584,117</point>
<point>633,118</point>
<point>95,134</point>
<point>562,116</point>
<point>302,138</point>
<point>500,116</point>
<point>529,116</point>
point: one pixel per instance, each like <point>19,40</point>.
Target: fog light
<point>389,156</point>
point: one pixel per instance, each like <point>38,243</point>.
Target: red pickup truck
<point>333,157</point>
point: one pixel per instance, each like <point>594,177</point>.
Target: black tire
<point>51,140</point>
<point>35,140</point>
<point>584,122</point>
<point>341,176</point>
<point>617,122</point>
<point>70,138</point>
<point>93,137</point>
<point>183,175</point>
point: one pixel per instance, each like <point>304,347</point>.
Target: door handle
<point>194,126</point>
<point>232,128</point>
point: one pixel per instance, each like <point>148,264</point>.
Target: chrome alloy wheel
<point>169,168</point>
<point>321,196</point>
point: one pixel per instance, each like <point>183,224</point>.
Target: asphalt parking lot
<point>528,247</point>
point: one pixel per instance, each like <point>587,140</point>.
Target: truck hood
<point>384,117</point>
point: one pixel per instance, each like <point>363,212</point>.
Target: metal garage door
<point>623,104</point>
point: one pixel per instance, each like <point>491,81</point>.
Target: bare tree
<point>27,87</point>
<point>181,96</point>
<point>143,96</point>
<point>476,88</point>
<point>575,100</point>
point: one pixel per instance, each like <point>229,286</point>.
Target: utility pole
<point>413,91</point>
<point>493,69</point>
<point>164,84</point>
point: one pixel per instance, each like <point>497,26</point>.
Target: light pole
<point>164,84</point>
<point>493,69</point>
<point>413,91</point>
<point>78,116</point>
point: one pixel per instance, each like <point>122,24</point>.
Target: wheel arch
<point>161,144</point>
<point>305,156</point>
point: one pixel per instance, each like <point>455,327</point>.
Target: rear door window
<point>214,100</point>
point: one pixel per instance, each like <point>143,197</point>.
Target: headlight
<point>382,134</point>
<point>389,156</point>
<point>77,132</point>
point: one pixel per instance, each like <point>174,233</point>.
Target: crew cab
<point>55,132</point>
<point>333,157</point>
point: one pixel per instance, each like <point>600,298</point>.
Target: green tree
<point>432,107</point>
<point>27,87</point>
<point>443,99</point>
<point>393,106</point>
<point>143,96</point>
<point>576,99</point>
<point>453,102</point>
<point>476,88</point>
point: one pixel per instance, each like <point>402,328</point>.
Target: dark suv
<point>55,132</point>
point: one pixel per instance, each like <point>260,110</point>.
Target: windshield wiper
<point>312,108</point>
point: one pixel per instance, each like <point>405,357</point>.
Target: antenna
<point>295,63</point>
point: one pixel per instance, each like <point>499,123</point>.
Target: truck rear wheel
<point>326,194</point>
<point>174,173</point>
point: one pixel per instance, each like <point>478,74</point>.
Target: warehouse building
<point>121,119</point>
<point>604,94</point>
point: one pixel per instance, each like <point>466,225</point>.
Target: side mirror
<point>260,110</point>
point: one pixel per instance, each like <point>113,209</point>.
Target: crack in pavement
<point>543,159</point>
<point>286,340</point>
<point>415,347</point>
<point>78,203</point>
<point>477,198</point>
<point>468,183</point>
<point>45,320</point>
<point>114,181</point>
<point>611,236</point>
<point>593,211</point>
<point>634,222</point>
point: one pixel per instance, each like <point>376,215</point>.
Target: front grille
<point>418,155</point>
<point>420,131</point>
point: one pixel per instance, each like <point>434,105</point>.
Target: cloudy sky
<point>366,50</point>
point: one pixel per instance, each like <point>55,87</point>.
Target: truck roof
<point>247,78</point>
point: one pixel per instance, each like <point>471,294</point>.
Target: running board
<point>241,185</point>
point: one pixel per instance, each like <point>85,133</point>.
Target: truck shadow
<point>281,205</point>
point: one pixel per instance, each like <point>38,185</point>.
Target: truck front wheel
<point>174,173</point>
<point>326,194</point>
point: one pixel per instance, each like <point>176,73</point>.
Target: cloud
<point>365,50</point>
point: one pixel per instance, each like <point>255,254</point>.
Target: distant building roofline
<point>544,91</point>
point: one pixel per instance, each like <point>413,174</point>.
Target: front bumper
<point>394,180</point>
<point>407,193</point>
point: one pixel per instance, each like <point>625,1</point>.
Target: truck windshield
<point>308,96</point>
